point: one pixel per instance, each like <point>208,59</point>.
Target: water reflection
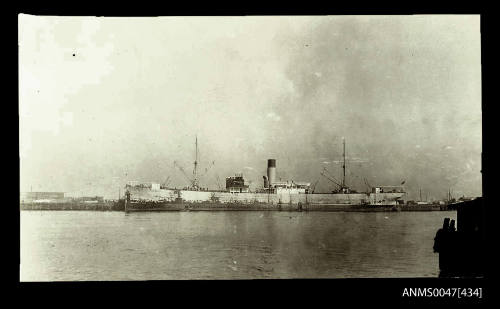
<point>224,245</point>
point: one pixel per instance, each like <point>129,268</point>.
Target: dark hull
<point>168,206</point>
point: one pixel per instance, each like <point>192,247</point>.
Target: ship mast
<point>195,176</point>
<point>343,165</point>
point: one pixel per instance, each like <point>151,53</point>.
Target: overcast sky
<point>107,100</point>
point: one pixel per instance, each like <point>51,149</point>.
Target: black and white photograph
<point>250,147</point>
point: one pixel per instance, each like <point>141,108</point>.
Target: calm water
<point>81,245</point>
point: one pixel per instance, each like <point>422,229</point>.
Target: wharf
<point>102,206</point>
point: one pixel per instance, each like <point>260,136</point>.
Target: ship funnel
<point>271,171</point>
<point>266,182</point>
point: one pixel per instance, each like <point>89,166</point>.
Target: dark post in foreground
<point>461,251</point>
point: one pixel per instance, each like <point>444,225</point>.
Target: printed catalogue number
<point>444,292</point>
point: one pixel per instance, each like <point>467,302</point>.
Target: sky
<point>106,100</point>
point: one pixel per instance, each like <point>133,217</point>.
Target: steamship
<point>273,195</point>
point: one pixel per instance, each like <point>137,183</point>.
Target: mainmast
<point>195,176</point>
<point>343,165</point>
<point>193,181</point>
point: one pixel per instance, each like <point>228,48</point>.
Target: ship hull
<point>145,206</point>
<point>178,200</point>
<point>154,207</point>
<point>284,197</point>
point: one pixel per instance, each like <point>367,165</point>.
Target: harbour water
<point>94,245</point>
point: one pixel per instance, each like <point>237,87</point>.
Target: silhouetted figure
<point>452,226</point>
<point>461,251</point>
<point>446,223</point>
<point>445,243</point>
<point>440,235</point>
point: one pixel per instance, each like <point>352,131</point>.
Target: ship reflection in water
<point>85,245</point>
